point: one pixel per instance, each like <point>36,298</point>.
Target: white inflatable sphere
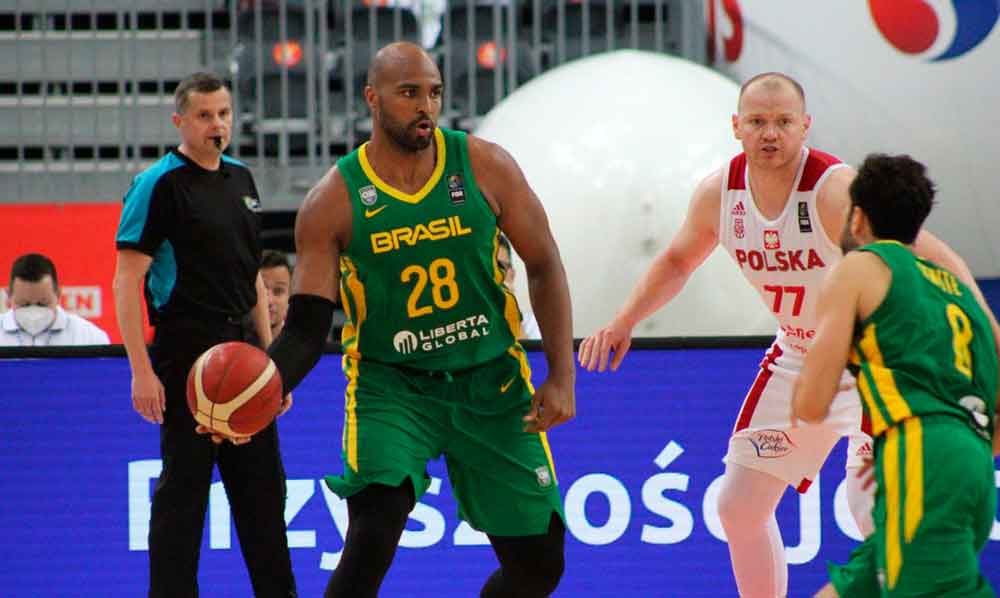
<point>614,146</point>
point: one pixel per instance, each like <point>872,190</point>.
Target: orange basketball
<point>234,389</point>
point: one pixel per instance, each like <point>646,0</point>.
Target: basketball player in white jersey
<point>776,208</point>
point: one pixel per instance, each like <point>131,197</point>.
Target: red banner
<point>80,241</point>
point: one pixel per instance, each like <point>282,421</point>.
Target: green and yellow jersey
<point>420,284</point>
<point>927,349</point>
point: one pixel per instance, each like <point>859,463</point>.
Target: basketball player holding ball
<point>777,209</point>
<point>407,227</point>
<point>189,236</point>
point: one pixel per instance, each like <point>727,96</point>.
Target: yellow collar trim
<point>402,195</point>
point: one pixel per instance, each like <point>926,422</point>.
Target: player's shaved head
<point>393,60</point>
<point>771,81</point>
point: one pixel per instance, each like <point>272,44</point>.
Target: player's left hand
<point>219,438</point>
<point>554,403</point>
<point>286,404</point>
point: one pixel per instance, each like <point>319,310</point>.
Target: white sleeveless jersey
<point>785,259</point>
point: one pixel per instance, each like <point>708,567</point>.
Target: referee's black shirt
<point>202,229</point>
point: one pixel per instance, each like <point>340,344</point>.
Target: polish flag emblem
<point>771,239</point>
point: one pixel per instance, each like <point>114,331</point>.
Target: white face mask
<point>34,319</point>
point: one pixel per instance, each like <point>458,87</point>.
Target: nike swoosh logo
<point>370,212</point>
<point>505,386</point>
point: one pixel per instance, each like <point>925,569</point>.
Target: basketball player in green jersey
<point>407,228</point>
<point>925,355</point>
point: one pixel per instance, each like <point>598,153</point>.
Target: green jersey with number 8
<point>419,281</point>
<point>927,349</point>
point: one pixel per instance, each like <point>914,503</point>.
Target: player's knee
<point>736,512</point>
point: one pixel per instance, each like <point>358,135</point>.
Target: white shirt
<point>68,329</point>
<point>785,259</point>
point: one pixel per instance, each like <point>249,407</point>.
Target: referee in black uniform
<point>189,236</point>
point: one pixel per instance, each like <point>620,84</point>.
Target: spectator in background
<point>529,327</point>
<point>276,271</point>
<point>35,318</point>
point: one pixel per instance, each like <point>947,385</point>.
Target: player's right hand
<point>595,350</point>
<point>148,397</point>
<point>286,404</point>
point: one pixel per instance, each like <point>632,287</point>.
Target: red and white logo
<point>771,239</point>
<point>738,209</point>
<point>738,229</point>
<point>84,301</point>
<point>724,33</point>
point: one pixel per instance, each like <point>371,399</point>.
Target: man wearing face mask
<point>189,243</point>
<point>36,319</point>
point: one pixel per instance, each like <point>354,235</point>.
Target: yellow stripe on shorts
<point>548,455</point>
<point>518,353</point>
<point>913,436</point>
<point>890,467</point>
<point>350,415</point>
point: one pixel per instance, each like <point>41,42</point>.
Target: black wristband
<point>301,341</point>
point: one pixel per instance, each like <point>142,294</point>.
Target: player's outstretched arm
<point>670,270</point>
<point>322,231</point>
<point>851,291</point>
<point>522,218</point>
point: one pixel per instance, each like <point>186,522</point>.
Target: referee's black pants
<point>253,476</point>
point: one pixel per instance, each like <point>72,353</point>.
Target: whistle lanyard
<point>48,338</point>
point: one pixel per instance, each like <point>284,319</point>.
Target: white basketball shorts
<point>765,439</point>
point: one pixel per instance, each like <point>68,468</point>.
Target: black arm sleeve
<point>301,342</point>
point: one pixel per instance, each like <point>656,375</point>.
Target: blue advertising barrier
<point>638,468</point>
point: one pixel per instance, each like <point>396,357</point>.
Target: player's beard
<point>847,241</point>
<point>404,135</point>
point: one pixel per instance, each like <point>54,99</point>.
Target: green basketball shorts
<point>934,510</point>
<point>397,419</point>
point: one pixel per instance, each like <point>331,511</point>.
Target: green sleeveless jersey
<point>419,281</point>
<point>927,349</point>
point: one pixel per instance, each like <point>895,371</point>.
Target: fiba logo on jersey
<point>368,195</point>
<point>405,342</point>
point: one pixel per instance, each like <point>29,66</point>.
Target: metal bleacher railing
<point>86,87</point>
